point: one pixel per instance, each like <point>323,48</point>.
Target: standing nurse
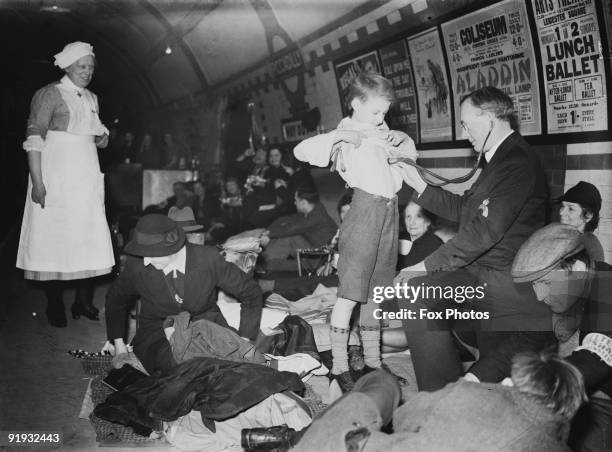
<point>64,234</point>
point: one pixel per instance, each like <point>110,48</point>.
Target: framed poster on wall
<point>573,70</point>
<point>347,70</point>
<point>493,47</point>
<point>432,86</point>
<point>396,67</point>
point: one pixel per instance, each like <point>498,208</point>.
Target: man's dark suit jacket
<point>505,205</point>
<point>205,271</point>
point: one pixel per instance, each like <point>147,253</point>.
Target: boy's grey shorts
<point>368,246</point>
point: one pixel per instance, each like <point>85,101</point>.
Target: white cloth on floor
<point>87,406</point>
<point>300,363</point>
<point>314,308</point>
<point>188,433</point>
<point>230,308</point>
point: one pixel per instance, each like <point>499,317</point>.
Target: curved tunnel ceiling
<point>211,40</point>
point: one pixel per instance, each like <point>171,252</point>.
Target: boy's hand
<point>350,136</point>
<point>408,149</point>
<point>397,137</point>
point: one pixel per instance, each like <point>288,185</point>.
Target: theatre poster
<point>396,67</point>
<point>432,87</point>
<point>572,66</point>
<point>492,47</point>
<point>347,70</point>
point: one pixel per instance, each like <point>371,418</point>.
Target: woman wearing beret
<point>64,234</point>
<point>580,207</point>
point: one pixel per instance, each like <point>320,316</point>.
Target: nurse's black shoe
<point>83,301</point>
<point>56,315</point>
<point>78,310</point>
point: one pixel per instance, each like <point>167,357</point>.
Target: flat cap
<point>545,250</point>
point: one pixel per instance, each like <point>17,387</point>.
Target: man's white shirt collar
<point>491,152</point>
<point>177,264</point>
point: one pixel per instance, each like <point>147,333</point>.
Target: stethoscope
<point>423,172</point>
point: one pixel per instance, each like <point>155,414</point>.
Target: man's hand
<point>102,141</point>
<point>412,177</point>
<point>39,193</point>
<point>264,240</point>
<point>406,274</point>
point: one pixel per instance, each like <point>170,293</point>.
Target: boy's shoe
<point>345,381</point>
<point>368,369</point>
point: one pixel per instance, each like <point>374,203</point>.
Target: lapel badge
<point>484,209</point>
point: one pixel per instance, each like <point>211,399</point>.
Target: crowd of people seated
<point>565,277</point>
<point>568,253</point>
<point>271,201</point>
<point>207,341</point>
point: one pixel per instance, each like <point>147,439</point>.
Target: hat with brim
<point>156,235</point>
<point>184,218</point>
<point>545,250</point>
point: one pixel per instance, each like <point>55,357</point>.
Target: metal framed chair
<point>320,256</point>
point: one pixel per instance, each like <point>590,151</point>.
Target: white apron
<point>70,236</point>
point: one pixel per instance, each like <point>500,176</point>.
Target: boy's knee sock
<point>369,329</point>
<point>339,347</point>
<point>370,339</point>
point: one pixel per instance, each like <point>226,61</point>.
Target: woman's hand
<point>249,152</point>
<point>264,239</point>
<point>325,270</point>
<point>39,193</point>
<point>278,183</point>
<point>120,347</point>
<point>102,141</point>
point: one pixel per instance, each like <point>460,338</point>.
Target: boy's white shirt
<point>365,167</point>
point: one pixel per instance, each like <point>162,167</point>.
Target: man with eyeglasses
<point>503,207</point>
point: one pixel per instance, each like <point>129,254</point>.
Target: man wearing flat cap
<point>172,276</point>
<point>556,263</point>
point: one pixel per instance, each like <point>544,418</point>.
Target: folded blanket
<point>314,308</point>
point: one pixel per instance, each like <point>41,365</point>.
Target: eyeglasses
<point>465,124</point>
